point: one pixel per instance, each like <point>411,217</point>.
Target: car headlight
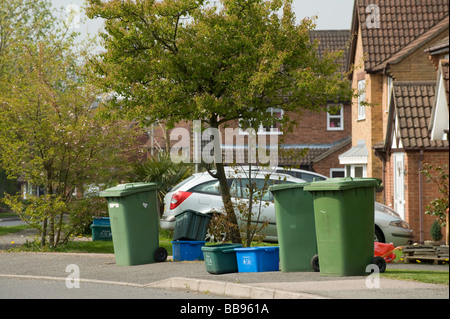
<point>399,223</point>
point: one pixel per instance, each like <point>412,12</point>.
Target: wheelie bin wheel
<point>315,263</point>
<point>160,254</point>
<point>380,262</point>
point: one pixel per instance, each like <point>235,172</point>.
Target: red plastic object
<point>385,250</point>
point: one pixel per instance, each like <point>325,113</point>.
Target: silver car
<point>200,192</point>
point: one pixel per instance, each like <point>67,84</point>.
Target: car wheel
<point>379,237</point>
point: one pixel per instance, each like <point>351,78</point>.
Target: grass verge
<point>107,247</point>
<point>430,277</point>
<point>5,230</point>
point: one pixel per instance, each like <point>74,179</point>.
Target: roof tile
<point>400,23</point>
<point>414,101</point>
<point>331,41</point>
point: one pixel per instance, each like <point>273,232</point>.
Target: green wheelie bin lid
<point>340,184</point>
<point>122,190</point>
<point>280,187</point>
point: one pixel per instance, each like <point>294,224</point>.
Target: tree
<point>162,170</point>
<point>255,193</point>
<point>175,60</point>
<point>52,136</point>
<point>21,21</point>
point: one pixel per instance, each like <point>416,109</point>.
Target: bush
<point>436,234</point>
<point>162,170</point>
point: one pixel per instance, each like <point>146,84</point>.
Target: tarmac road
<point>100,277</point>
<point>34,288</point>
<point>99,271</point>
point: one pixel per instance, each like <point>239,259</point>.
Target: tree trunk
<point>446,227</point>
<point>235,235</point>
<point>44,232</point>
<point>51,234</point>
<point>251,189</point>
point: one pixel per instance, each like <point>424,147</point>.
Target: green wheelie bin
<point>134,217</point>
<point>294,213</point>
<point>344,210</point>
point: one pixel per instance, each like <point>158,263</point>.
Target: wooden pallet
<point>435,260</point>
<point>425,252</point>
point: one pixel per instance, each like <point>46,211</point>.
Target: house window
<point>337,172</point>
<point>390,83</point>
<point>335,117</point>
<point>356,170</point>
<point>31,190</point>
<point>275,128</point>
<point>361,99</point>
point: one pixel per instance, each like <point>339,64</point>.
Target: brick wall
<point>375,115</point>
<point>412,189</point>
<point>331,161</point>
<point>369,129</point>
<point>430,190</point>
<point>417,66</point>
<point>311,128</point>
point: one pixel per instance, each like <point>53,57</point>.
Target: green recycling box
<point>344,218</point>
<point>134,217</point>
<point>221,258</point>
<point>191,225</point>
<point>294,212</point>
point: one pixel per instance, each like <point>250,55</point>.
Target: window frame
<point>350,169</point>
<point>339,116</point>
<point>361,99</point>
<point>337,170</point>
<point>261,129</point>
<point>390,86</point>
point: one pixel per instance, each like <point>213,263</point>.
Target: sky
<point>332,14</point>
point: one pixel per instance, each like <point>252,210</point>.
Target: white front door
<point>399,183</point>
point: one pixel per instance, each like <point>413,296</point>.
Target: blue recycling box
<point>258,259</point>
<point>187,250</point>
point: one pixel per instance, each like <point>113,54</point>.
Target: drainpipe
<point>383,155</point>
<point>383,172</point>
<point>421,197</point>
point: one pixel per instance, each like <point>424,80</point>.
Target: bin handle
<point>379,181</point>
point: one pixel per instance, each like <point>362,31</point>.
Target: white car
<point>200,192</point>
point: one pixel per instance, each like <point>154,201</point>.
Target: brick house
<point>322,134</point>
<point>319,136</point>
<point>397,49</point>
